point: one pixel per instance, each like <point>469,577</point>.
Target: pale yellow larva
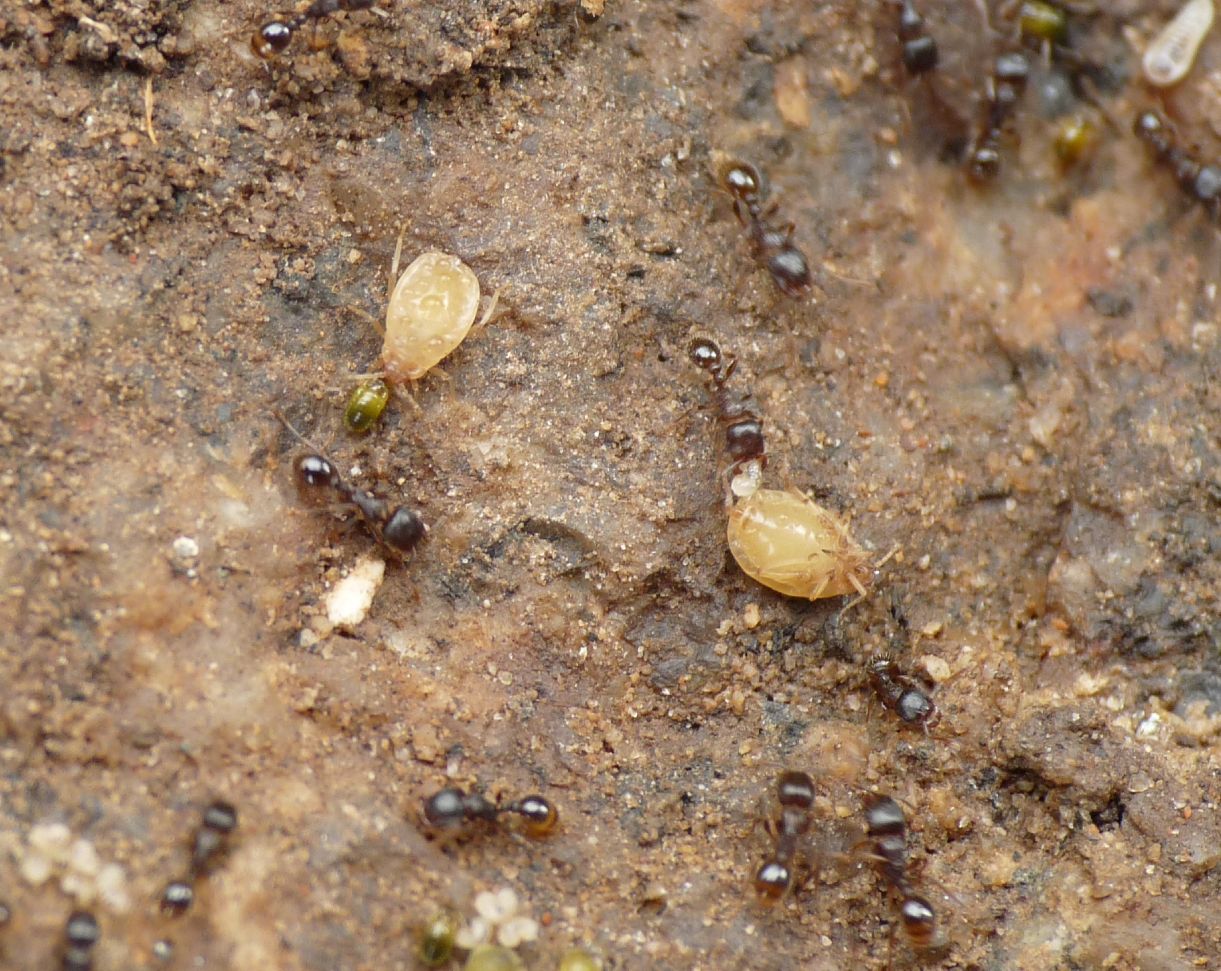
<point>794,546</point>
<point>431,310</point>
<point>1169,56</point>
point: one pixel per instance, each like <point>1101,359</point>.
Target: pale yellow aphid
<point>794,546</point>
<point>431,310</point>
<point>1170,55</point>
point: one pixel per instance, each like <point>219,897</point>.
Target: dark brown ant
<point>903,694</point>
<point>920,54</point>
<point>1200,182</point>
<point>275,35</point>
<point>81,935</point>
<point>773,245</point>
<point>743,428</point>
<point>886,830</point>
<point>451,810</point>
<point>209,845</point>
<point>795,794</point>
<point>398,528</point>
<point>1005,88</point>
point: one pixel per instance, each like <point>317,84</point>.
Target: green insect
<point>1043,21</point>
<point>365,405</point>
<point>437,938</point>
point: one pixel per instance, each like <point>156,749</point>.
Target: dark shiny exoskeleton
<point>1005,88</point>
<point>902,694</point>
<point>886,832</point>
<point>398,528</point>
<point>81,935</point>
<point>177,898</point>
<point>451,810</point>
<point>275,35</point>
<point>773,245</point>
<point>744,440</point>
<point>1199,181</point>
<point>920,53</point>
<point>795,794</point>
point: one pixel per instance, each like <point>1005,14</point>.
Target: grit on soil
<point>1016,387</point>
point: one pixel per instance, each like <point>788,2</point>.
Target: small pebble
<point>348,602</point>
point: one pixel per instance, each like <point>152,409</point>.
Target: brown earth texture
<point>1012,388</point>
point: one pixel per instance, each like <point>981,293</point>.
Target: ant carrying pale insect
<point>451,810</point>
<point>782,539</point>
<point>398,528</point>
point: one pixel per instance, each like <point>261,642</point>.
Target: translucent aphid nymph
<point>794,546</point>
<point>432,308</point>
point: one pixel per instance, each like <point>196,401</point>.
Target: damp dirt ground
<point>1014,388</point>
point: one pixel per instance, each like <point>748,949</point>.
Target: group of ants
<point>885,842</point>
<point>452,811</point>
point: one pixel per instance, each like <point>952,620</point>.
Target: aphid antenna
<point>296,434</point>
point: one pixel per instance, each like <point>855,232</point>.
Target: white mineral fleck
<point>349,601</point>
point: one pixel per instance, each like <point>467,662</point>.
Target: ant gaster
<point>903,694</point>
<point>744,441</point>
<point>1005,88</point>
<point>1201,182</point>
<point>886,830</point>
<point>795,794</point>
<point>275,35</point>
<point>773,245</point>
<point>451,809</point>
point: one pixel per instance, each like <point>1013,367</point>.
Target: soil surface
<point>1013,388</point>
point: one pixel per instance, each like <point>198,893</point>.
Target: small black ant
<point>920,54</point>
<point>795,794</point>
<point>210,844</point>
<point>903,694</point>
<point>275,35</point>
<point>886,830</point>
<point>398,528</point>
<point>743,428</point>
<point>81,935</point>
<point>773,245</point>
<point>1201,182</point>
<point>452,809</point>
<point>1005,88</point>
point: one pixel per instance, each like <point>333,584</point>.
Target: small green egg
<point>579,959</point>
<point>437,938</point>
<point>493,957</point>
<point>365,405</point>
<point>1075,140</point>
<point>1043,21</point>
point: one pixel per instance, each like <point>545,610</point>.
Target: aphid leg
<point>489,313</point>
